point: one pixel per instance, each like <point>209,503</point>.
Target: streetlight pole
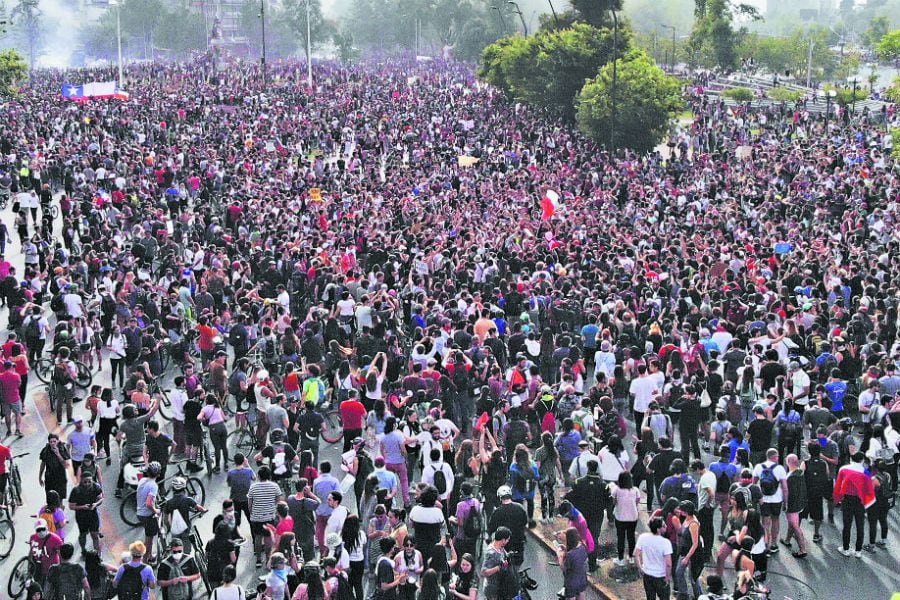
<point>500,14</point>
<point>262,17</point>
<point>118,6</point>
<point>308,48</point>
<point>521,16</point>
<point>672,27</point>
<point>615,83</point>
<point>553,10</point>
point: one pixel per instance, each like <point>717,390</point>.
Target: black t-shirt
<point>217,556</point>
<point>769,372</point>
<point>158,448</point>
<point>82,495</point>
<point>310,424</point>
<point>514,517</point>
<point>192,410</point>
<point>760,432</point>
<point>281,468</point>
<point>384,573</point>
<point>183,504</point>
<point>661,463</point>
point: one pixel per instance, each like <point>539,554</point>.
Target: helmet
<point>153,469</point>
<point>357,441</point>
<point>504,491</point>
<point>129,411</point>
<point>179,483</point>
<point>276,435</point>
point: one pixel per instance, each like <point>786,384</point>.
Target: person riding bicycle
<point>281,458</point>
<point>186,507</point>
<point>43,549</point>
<point>132,433</point>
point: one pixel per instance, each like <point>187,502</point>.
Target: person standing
<point>262,498</point>
<point>572,556</point>
<point>795,505</point>
<point>81,441</point>
<point>706,501</point>
<point>653,554</point>
<point>66,579</point>
<point>239,479</point>
<point>855,492</point>
<point>84,499</point>
<point>690,552</point>
<point>495,569</point>
<point>322,486</point>
<point>627,499</point>
<point>135,578</point>
<point>772,480</point>
<point>177,573</point>
<point>53,472</point>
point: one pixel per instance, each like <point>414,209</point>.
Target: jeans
<point>656,588</point>
<point>682,573</point>
<point>625,533</point>
<point>548,499</point>
<point>689,443</point>
<point>852,511</point>
<point>218,435</point>
<point>707,531</point>
<point>878,514</point>
<point>117,365</point>
<point>400,470</point>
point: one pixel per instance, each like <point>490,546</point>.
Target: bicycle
<point>12,498</point>
<point>194,488</point>
<point>526,582</point>
<point>243,437</point>
<point>162,395</point>
<point>23,573</point>
<point>45,366</point>
<point>7,536</point>
<point>334,424</point>
<point>200,557</point>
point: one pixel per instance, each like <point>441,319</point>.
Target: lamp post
<point>672,27</point>
<point>500,15</point>
<point>854,81</point>
<point>521,16</point>
<point>615,83</point>
<point>829,97</point>
<point>119,39</point>
<point>309,82</point>
<point>553,10</point>
<point>262,18</point>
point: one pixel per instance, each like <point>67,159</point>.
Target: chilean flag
<point>549,204</point>
<point>93,90</point>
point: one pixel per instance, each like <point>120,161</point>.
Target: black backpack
<point>32,332</point>
<point>461,378</point>
<point>517,433</point>
<point>131,584</point>
<point>817,475</point>
<point>474,524</point>
<point>365,466</point>
<point>343,592</point>
<point>270,350</point>
<point>767,480</point>
<point>440,480</point>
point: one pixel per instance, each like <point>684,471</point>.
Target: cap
<point>794,365</point>
<point>78,419</point>
<point>583,444</point>
<point>176,542</point>
<point>357,441</point>
<point>332,539</point>
<point>504,491</point>
<point>40,524</point>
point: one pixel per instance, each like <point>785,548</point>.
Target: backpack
<point>270,350</point>
<point>279,459</point>
<point>461,378</point>
<point>767,480</point>
<point>723,481</point>
<point>733,409</point>
<point>343,591</point>
<point>440,480</point>
<point>520,481</point>
<point>178,591</point>
<point>32,332</point>
<point>131,584</point>
<point>364,465</point>
<point>517,433</point>
<point>61,375</point>
<point>746,493</point>
<point>826,362</point>
<point>47,516</point>
<point>474,524</point>
<point>313,390</point>
<point>748,396</point>
<point>56,303</point>
<point>817,475</point>
<point>789,425</point>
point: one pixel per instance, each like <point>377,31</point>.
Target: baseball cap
<point>40,524</point>
<point>78,419</point>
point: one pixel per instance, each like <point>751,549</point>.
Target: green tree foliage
<point>346,51</point>
<point>29,28</point>
<point>549,68</point>
<point>846,95</point>
<point>878,28</point>
<point>893,92</point>
<point>791,53</point>
<point>739,94</point>
<point>596,12</point>
<point>320,30</point>
<point>280,38</point>
<point>13,70</point>
<point>889,46</point>
<point>646,102</point>
<point>714,38</point>
<point>785,95</point>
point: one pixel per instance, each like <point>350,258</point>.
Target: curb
<point>604,592</point>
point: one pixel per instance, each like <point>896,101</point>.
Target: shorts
<point>4,479</point>
<point>723,500</point>
<point>87,521</point>
<point>814,509</point>
<point>8,408</point>
<point>258,528</point>
<point>150,525</point>
<point>770,509</point>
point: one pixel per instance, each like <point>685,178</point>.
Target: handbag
<point>705,399</point>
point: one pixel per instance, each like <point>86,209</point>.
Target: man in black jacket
<point>590,495</point>
<point>513,516</point>
<point>689,423</point>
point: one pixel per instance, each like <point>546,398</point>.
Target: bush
<point>845,96</point>
<point>781,94</point>
<point>740,94</point>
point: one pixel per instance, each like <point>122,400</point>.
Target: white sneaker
<point>857,554</point>
<point>619,562</point>
<point>845,551</point>
<point>630,560</point>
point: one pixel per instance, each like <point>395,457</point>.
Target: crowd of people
<point>707,334</point>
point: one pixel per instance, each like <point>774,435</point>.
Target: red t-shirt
<point>9,386</point>
<point>353,414</point>
<point>207,334</point>
<point>5,455</point>
<point>286,525</point>
<point>292,382</point>
<point>46,550</point>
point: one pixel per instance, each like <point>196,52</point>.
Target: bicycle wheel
<point>85,377</point>
<point>165,405</point>
<point>51,396</point>
<point>44,369</point>
<point>19,577</point>
<point>15,485</point>
<point>7,537</point>
<point>334,428</point>
<point>196,490</point>
<point>200,558</point>
<point>239,440</point>
<point>54,212</point>
<point>128,509</point>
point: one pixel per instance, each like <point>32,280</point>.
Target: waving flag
<point>93,90</point>
<point>549,204</point>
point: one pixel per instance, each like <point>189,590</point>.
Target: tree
<point>889,46</point>
<point>739,94</point>
<point>320,31</point>
<point>791,53</point>
<point>184,30</point>
<point>98,38</point>
<point>596,12</point>
<point>280,38</point>
<point>878,28</point>
<point>30,24</point>
<point>646,102</point>
<point>549,68</point>
<point>343,41</point>
<point>13,70</point>
<point>714,38</point>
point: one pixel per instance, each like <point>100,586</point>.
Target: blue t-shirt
<point>836,391</point>
<point>239,480</point>
<point>567,444</point>
<point>147,487</point>
<point>733,445</point>
<point>392,448</point>
<point>147,577</point>
<point>719,468</point>
<point>589,334</point>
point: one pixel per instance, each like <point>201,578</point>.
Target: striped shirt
<point>263,496</point>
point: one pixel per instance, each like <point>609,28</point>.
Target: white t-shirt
<point>780,475</point>
<point>642,388</point>
<point>654,550</point>
<point>800,380</point>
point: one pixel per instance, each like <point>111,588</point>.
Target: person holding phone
<point>84,499</point>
